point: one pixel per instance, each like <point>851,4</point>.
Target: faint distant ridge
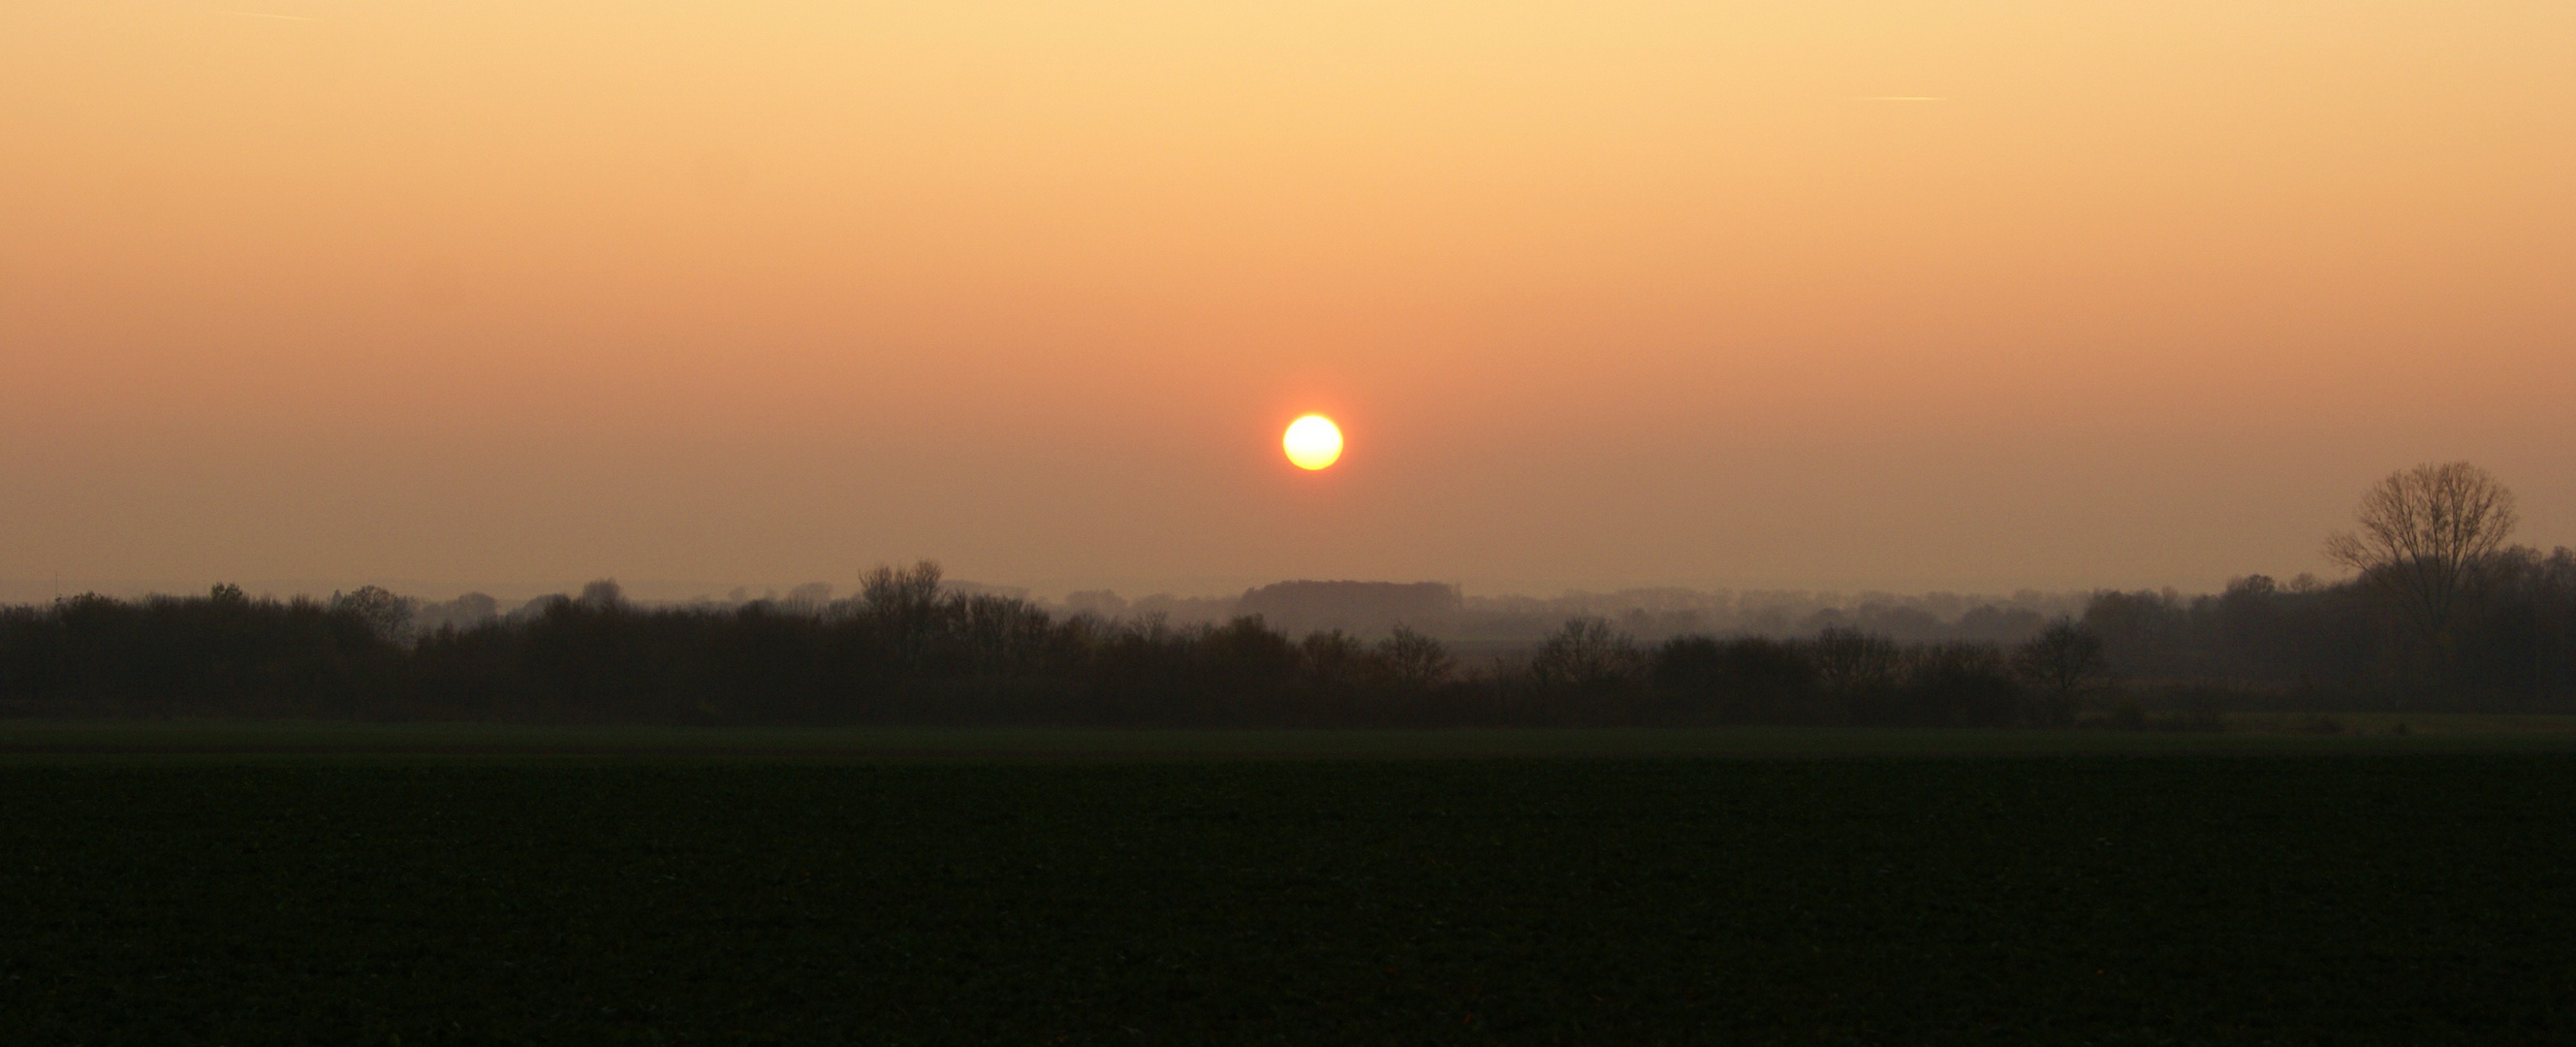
<point>1358,608</point>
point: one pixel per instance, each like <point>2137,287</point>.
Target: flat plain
<point>23,741</point>
<point>320,883</point>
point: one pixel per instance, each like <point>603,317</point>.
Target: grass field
<point>88,741</point>
<point>2329,890</point>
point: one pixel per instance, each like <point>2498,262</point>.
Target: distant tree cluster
<point>2441,615</point>
<point>907,649</point>
<point>1647,614</point>
<point>2508,646</point>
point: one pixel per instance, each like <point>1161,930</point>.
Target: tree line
<point>2441,613</point>
<point>907,651</point>
<point>2491,627</point>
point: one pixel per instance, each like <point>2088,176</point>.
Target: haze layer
<point>1977,294</point>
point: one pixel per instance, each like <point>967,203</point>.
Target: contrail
<point>264,14</point>
<point>1901,98</point>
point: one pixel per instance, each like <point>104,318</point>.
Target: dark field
<point>2353,898</point>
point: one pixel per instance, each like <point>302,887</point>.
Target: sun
<point>1313,442</point>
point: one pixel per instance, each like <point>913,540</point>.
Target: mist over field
<point>1362,608</point>
<point>1371,609</point>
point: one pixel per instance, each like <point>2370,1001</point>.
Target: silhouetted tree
<point>2063,663</point>
<point>603,595</point>
<point>2423,534</point>
<point>1410,661</point>
<point>1001,636</point>
<point>385,614</point>
<point>1957,685</point>
<point>1851,664</point>
<point>1587,653</point>
<point>905,608</point>
<point>1335,658</point>
<point>1747,679</point>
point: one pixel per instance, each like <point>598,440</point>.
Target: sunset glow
<point>1886,294</point>
<point>1313,442</point>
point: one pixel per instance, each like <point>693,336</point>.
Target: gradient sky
<point>1602,293</point>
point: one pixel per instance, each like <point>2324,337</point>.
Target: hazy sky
<point>1602,293</point>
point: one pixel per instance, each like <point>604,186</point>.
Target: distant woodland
<point>907,651</point>
<point>2439,615</point>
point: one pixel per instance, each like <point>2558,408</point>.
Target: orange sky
<point>1603,294</point>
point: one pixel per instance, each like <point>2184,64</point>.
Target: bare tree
<point>909,609</point>
<point>603,595</point>
<point>1850,662</point>
<point>1586,653</point>
<point>2424,534</point>
<point>1413,661</point>
<point>1335,657</point>
<point>2064,663</point>
<point>385,614</point>
<point>1003,635</point>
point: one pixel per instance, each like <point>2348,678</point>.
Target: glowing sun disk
<point>1313,442</point>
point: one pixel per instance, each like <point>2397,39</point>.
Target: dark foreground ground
<point>2347,899</point>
